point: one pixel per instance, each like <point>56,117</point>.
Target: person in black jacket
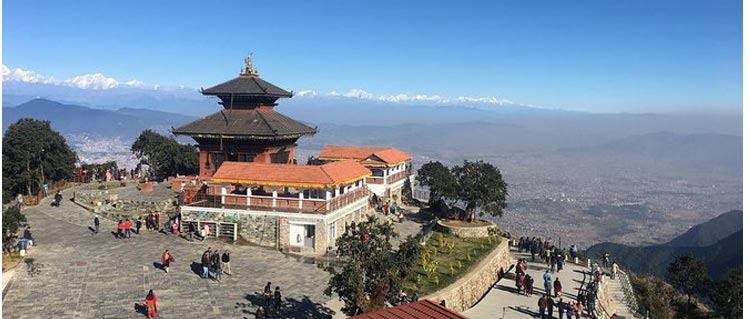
<point>550,306</point>
<point>225,261</point>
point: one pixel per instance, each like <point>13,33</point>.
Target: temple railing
<point>280,202</point>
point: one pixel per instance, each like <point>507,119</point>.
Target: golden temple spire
<point>249,70</point>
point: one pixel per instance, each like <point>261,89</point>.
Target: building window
<point>280,158</point>
<point>332,233</point>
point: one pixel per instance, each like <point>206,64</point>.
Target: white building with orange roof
<point>390,167</point>
<point>302,208</point>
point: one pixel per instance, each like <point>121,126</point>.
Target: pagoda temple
<point>248,129</point>
<point>251,186</point>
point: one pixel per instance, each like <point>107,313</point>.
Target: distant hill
<point>710,232</point>
<point>716,243</point>
<point>75,119</point>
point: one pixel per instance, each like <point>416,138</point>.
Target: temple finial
<point>249,69</point>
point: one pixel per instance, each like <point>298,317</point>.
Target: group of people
<point>152,221</point>
<point>272,303</point>
<point>124,228</point>
<point>202,234</point>
<point>553,256</point>
<point>216,263</point>
<point>568,309</point>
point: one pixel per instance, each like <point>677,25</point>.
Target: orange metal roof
<point>387,155</point>
<point>329,175</point>
<point>423,309</point>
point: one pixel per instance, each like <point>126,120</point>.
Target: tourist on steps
<point>529,285</point>
<point>558,287</point>
<point>561,307</point>
<point>267,294</point>
<point>520,282</point>
<point>547,286</point>
<point>277,301</point>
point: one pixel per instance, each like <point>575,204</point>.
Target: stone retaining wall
<point>469,289</point>
<point>464,232</point>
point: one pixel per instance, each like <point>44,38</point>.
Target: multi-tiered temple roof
<point>248,111</point>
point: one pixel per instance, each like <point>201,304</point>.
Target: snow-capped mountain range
<point>101,91</point>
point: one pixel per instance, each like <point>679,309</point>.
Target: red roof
<point>366,155</point>
<point>423,309</point>
<point>329,175</point>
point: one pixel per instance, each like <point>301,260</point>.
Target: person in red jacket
<point>151,309</point>
<point>128,225</point>
<point>558,287</point>
<point>166,258</point>
<point>120,229</point>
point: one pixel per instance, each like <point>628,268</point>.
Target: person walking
<point>206,231</point>
<point>529,286</point>
<point>277,300</point>
<point>561,307</point>
<point>267,294</point>
<point>569,310</point>
<point>191,230</point>
<point>547,286</point>
<point>166,258</point>
<point>615,269</point>
<point>151,308</point>
<point>520,282</point>
<point>138,225</point>
<point>128,227</point>
<point>542,303</point>
<point>205,262</point>
<point>215,265</point>
<point>550,306</point>
<point>260,313</point>
<point>96,224</point>
<point>225,260</point>
<point>120,229</point>
<point>156,221</point>
<point>558,287</point>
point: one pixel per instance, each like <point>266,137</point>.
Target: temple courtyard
<point>72,273</point>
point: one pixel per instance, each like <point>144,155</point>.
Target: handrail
<point>627,287</point>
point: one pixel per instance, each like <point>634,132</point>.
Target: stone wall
<point>464,232</point>
<point>94,198</point>
<point>605,302</point>
<point>470,288</point>
<point>259,230</point>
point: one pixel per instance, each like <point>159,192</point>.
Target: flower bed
<point>445,259</point>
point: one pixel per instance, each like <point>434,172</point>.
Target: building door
<point>296,235</point>
<point>310,236</point>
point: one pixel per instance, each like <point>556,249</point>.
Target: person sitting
<point>27,235</point>
<point>58,199</point>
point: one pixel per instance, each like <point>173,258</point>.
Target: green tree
<point>727,295</point>
<point>654,296</point>
<point>688,275</point>
<point>34,154</point>
<point>481,187</point>
<point>373,272</point>
<point>164,156</point>
<point>13,219</point>
<point>439,179</point>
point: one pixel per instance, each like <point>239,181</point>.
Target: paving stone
<point>82,275</point>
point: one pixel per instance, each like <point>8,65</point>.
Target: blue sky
<point>601,56</point>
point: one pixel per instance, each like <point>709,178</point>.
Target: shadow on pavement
<point>196,268</point>
<point>525,311</point>
<point>290,308</point>
<point>140,308</point>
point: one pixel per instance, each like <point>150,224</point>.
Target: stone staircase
<point>618,296</point>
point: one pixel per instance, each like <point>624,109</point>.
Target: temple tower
<point>247,129</point>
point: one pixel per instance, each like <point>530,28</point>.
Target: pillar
<point>248,192</point>
<point>274,198</point>
<point>223,195</point>
<point>301,197</point>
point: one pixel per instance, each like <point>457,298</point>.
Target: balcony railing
<point>280,203</point>
<point>379,180</point>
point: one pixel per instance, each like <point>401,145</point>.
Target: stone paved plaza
<point>72,273</point>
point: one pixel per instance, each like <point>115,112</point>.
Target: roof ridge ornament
<point>249,70</point>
